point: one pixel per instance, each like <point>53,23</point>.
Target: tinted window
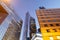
<point>43,20</point>
<point>42,17</point>
<point>49,20</point>
<point>51,24</point>
<point>48,30</point>
<point>55,30</point>
<point>54,20</point>
<point>45,25</point>
<point>57,24</point>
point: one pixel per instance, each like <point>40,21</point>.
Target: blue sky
<point>22,6</point>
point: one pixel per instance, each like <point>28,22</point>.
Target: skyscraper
<point>11,27</point>
<point>49,21</point>
<point>29,27</point>
<point>13,31</point>
<point>32,27</point>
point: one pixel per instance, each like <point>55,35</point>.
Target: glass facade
<point>11,24</point>
<point>29,27</point>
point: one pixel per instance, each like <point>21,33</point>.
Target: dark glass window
<point>55,30</point>
<point>39,30</point>
<point>57,16</point>
<point>59,28</point>
<point>45,25</point>
<point>43,20</point>
<point>48,30</point>
<point>58,20</point>
<point>47,17</point>
<point>49,20</point>
<point>57,24</point>
<point>51,24</point>
<point>42,17</point>
<point>54,20</point>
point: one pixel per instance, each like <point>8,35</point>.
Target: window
<point>58,20</point>
<point>48,30</point>
<point>51,38</point>
<point>57,24</point>
<point>58,16</point>
<point>58,37</point>
<point>43,20</point>
<point>54,20</point>
<point>47,17</point>
<point>45,25</point>
<point>42,17</point>
<point>49,20</point>
<point>55,30</point>
<point>59,28</point>
<point>51,24</point>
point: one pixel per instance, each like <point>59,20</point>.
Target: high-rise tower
<point>49,21</point>
<point>29,27</point>
<point>11,27</point>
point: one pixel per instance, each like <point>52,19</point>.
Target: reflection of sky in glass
<point>3,27</point>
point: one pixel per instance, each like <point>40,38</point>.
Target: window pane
<point>57,24</point>
<point>55,30</point>
<point>58,37</point>
<point>51,24</point>
<point>48,30</point>
<point>45,25</point>
<point>51,38</point>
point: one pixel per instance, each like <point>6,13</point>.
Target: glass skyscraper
<point>11,23</point>
<point>29,27</point>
